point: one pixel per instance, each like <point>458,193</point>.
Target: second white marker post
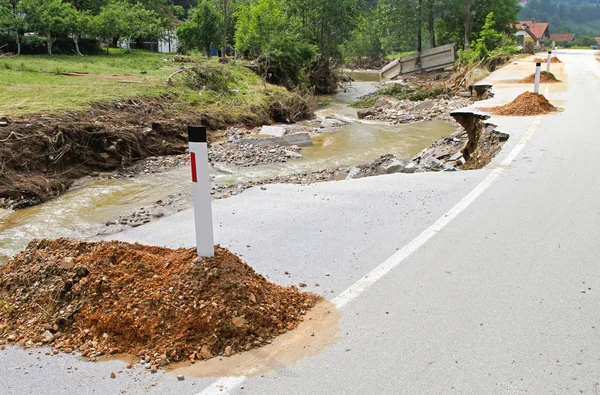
<point>549,61</point>
<point>201,191</point>
<point>538,71</point>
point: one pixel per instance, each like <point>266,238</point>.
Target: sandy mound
<point>554,59</point>
<point>545,78</point>
<point>160,304</point>
<point>526,104</point>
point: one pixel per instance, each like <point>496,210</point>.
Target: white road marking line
<point>225,384</point>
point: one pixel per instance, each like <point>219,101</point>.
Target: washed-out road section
<point>503,299</point>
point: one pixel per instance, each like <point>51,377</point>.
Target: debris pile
<point>554,59</point>
<point>160,304</point>
<point>545,78</point>
<point>526,104</point>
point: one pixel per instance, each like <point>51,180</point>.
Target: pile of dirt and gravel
<point>545,78</point>
<point>159,304</point>
<point>526,104</point>
<point>554,59</point>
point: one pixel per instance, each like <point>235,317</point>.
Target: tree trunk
<point>49,44</point>
<point>224,52</point>
<point>18,44</point>
<point>129,44</point>
<point>207,50</point>
<point>468,24</point>
<point>76,41</point>
<point>419,27</point>
<point>431,25</point>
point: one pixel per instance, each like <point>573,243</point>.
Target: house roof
<point>563,36</point>
<point>537,29</point>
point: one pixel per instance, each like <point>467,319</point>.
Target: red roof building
<point>563,37</point>
<point>532,31</point>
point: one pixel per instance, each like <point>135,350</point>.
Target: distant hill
<point>565,16</point>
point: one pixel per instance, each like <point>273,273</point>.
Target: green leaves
<point>201,29</point>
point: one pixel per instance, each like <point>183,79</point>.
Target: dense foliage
<point>294,42</point>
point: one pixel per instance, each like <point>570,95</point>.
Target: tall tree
<point>47,16</point>
<point>201,29</point>
<point>468,23</point>
<point>108,24</point>
<point>78,23</point>
<point>12,20</point>
<point>138,21</point>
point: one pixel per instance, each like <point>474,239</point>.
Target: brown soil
<point>159,304</point>
<point>554,59</point>
<point>545,78</point>
<point>41,154</point>
<point>526,104</point>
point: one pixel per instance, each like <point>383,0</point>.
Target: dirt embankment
<point>41,155</point>
<point>159,304</point>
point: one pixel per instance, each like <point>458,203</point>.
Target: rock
<point>353,173</point>
<point>113,375</point>
<point>381,102</point>
<point>275,131</point>
<point>153,369</point>
<point>292,154</point>
<point>455,156</point>
<point>434,164</point>
<point>48,336</point>
<point>362,114</point>
<point>67,263</point>
<point>332,123</point>
<point>228,351</point>
<point>239,322</point>
<point>411,167</point>
<point>180,377</point>
<point>205,352</point>
<point>112,149</point>
<point>425,105</point>
<point>393,166</point>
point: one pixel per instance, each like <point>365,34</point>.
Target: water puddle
<point>318,330</point>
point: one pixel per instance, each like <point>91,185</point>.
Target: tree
<point>12,20</point>
<point>47,16</point>
<point>200,30</point>
<point>108,23</point>
<point>139,22</point>
<point>488,39</point>
<point>78,23</point>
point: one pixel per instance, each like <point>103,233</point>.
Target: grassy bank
<point>45,84</point>
<point>116,110</point>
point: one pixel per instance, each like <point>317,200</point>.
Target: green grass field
<point>37,84</point>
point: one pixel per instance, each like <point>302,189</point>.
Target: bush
<point>36,45</point>
<point>216,79</point>
<point>285,62</point>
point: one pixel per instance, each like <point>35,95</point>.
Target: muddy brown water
<point>82,211</point>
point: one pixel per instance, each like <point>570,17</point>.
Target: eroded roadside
<point>246,157</point>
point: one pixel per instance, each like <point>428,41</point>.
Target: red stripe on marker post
<point>193,161</point>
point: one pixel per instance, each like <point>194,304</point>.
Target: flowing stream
<point>82,211</point>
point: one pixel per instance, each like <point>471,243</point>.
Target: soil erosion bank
<point>41,155</point>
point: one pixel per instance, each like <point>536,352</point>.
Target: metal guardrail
<point>428,60</point>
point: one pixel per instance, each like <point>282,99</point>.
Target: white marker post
<point>549,61</point>
<point>201,191</point>
<point>538,70</point>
